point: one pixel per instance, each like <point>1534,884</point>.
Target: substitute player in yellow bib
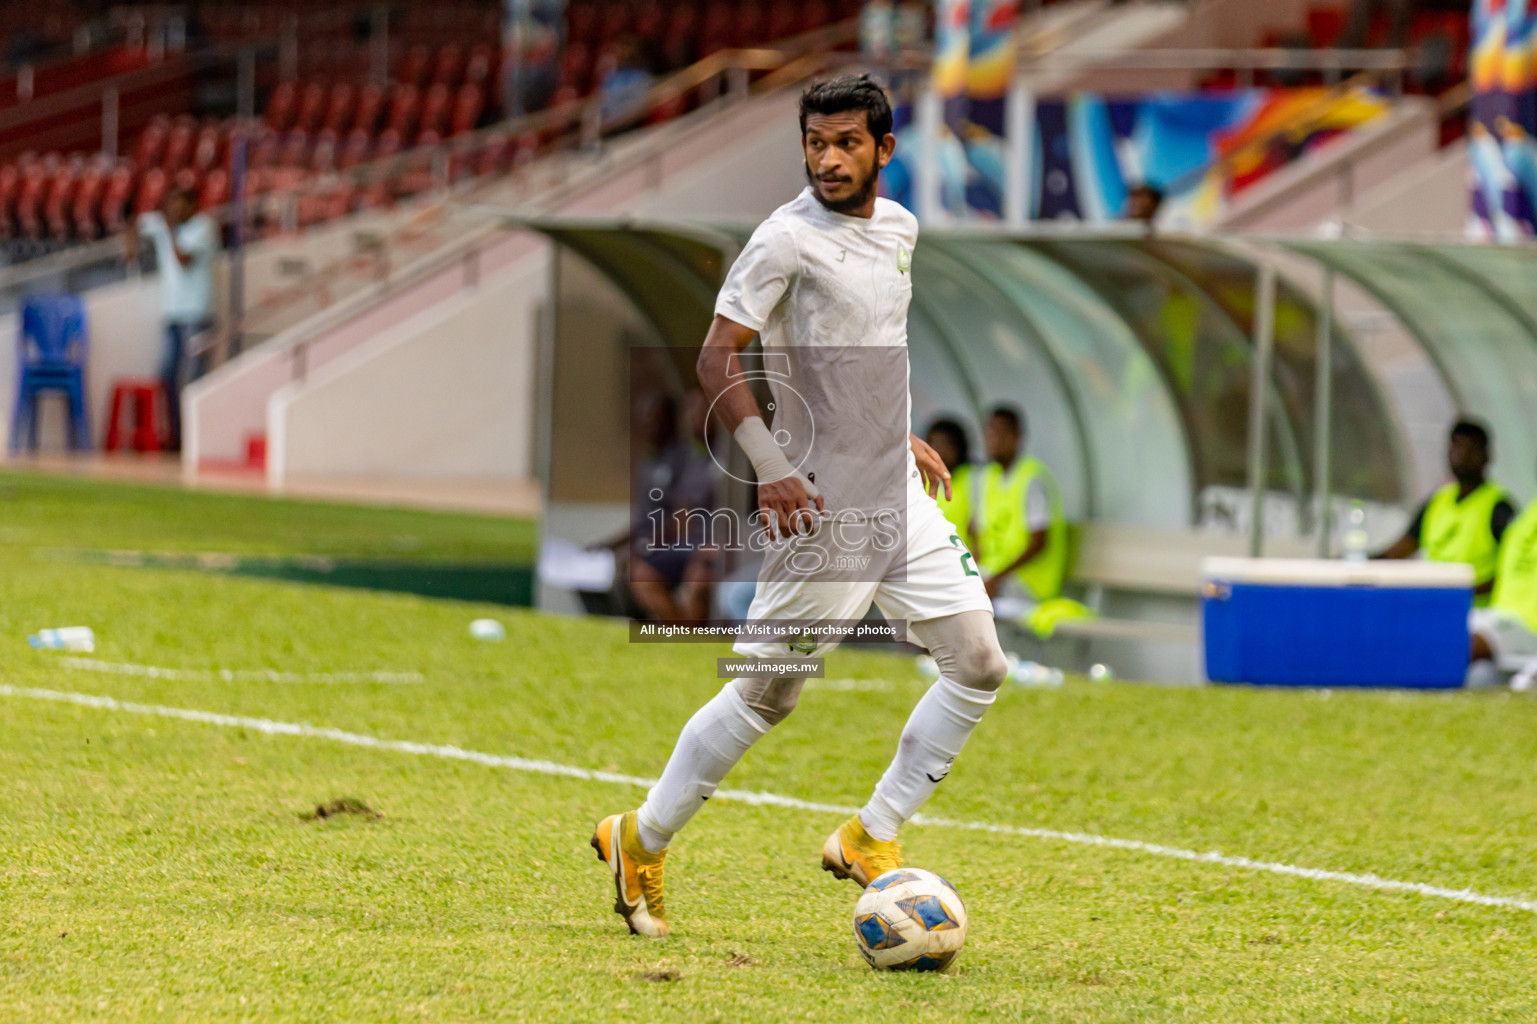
<point>1506,631</point>
<point>1021,532</point>
<point>1464,520</point>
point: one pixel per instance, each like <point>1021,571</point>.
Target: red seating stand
<point>148,399</point>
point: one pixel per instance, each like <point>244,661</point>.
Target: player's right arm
<point>785,496</point>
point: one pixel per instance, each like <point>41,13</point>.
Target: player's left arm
<point>935,475</point>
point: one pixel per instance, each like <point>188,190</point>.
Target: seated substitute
<point>1465,519</point>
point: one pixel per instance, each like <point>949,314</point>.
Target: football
<point>910,920</point>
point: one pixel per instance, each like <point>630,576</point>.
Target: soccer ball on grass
<point>910,919</point>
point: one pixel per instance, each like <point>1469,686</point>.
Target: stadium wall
<point>449,392</point>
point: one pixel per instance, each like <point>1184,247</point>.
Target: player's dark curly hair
<point>849,92</point>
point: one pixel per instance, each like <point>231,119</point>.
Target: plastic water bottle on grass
<point>1035,675</point>
<point>67,638</point>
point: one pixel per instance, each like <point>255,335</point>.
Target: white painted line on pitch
<point>274,728</point>
<point>260,675</point>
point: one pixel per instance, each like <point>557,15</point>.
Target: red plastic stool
<point>148,399</point>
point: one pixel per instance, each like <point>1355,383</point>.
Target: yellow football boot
<point>637,874</point>
<point>851,852</point>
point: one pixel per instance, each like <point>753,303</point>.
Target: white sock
<point>932,739</point>
<point>712,742</point>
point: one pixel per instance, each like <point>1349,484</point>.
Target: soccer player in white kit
<point>825,282</point>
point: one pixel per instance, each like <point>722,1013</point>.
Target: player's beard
<point>856,199</point>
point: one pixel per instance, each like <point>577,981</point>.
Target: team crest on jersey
<point>803,644</point>
<point>904,260</point>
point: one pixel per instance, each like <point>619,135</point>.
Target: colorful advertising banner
<point>1200,149</point>
<point>1502,127</point>
<point>988,74</point>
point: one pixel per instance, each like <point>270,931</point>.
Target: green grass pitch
<point>157,869</point>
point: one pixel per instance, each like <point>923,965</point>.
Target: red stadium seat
<point>10,184</point>
<point>448,69</point>
<point>650,22</point>
<point>148,151</point>
<point>85,212</point>
<point>339,110</point>
<point>468,106</point>
<point>716,32</point>
<point>151,191</point>
<point>435,109</point>
<point>179,142</point>
<point>783,21</point>
<point>215,191</point>
<point>405,105</point>
<point>59,201</point>
<point>280,108</point>
<point>415,66</point>
<point>210,150</point>
<point>117,196</point>
<point>815,14</point>
<point>679,40</point>
<point>29,201</point>
<point>312,107</point>
<point>372,101</point>
<point>480,65</point>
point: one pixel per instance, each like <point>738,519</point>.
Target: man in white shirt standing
<point>186,243</point>
<point>844,491</point>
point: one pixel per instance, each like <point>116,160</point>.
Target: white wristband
<point>768,459</point>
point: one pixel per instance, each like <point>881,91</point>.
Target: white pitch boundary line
<point>262,675</point>
<point>275,728</point>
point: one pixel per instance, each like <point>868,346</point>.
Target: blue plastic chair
<point>52,352</point>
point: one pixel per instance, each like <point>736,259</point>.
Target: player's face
<point>843,160</point>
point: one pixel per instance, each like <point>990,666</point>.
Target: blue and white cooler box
<point>1305,622</point>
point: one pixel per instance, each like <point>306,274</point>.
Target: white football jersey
<point>828,293</point>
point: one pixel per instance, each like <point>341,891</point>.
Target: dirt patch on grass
<point>739,960</point>
<point>663,975</point>
<point>340,808</point>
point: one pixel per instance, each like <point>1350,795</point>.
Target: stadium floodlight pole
<point>1323,397</point>
<point>1259,395</point>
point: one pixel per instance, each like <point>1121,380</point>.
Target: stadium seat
<point>150,148</point>
<point>211,149</point>
<point>179,143</point>
<point>280,108</point>
<point>323,155</point>
<point>405,105</point>
<point>338,117</point>
<point>215,191</point>
<point>435,109</point>
<point>468,106</point>
<point>415,66</point>
<point>312,107</point>
<point>612,23</point>
<point>10,184</point>
<point>151,191</point>
<point>85,212</point>
<point>448,69</point>
<point>117,197</point>
<point>53,349</point>
<point>29,201</point>
<point>783,20</point>
<point>576,68</point>
<point>581,22</point>
<point>58,202</point>
<point>480,65</point>
<point>372,101</point>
